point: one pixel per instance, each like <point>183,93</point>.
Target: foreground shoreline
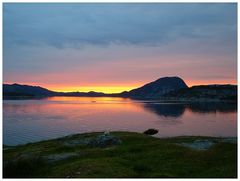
<point>135,155</point>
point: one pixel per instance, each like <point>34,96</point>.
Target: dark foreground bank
<point>124,155</point>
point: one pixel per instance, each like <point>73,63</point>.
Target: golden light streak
<point>105,89</point>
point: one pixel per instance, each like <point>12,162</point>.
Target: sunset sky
<point>117,47</point>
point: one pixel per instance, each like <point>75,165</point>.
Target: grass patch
<point>138,156</point>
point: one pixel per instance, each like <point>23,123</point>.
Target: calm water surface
<point>33,120</point>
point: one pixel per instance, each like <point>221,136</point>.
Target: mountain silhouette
<point>17,90</point>
<point>25,90</point>
<point>166,88</point>
<point>205,92</point>
<point>157,88</point>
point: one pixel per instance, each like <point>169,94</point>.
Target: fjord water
<point>27,121</point>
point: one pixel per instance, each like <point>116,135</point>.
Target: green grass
<point>138,156</point>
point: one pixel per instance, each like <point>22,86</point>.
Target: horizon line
<point>78,91</point>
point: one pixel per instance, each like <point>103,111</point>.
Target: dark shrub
<point>150,132</point>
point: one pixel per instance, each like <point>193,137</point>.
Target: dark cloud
<point>75,25</point>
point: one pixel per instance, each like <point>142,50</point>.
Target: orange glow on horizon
<point>105,89</point>
<point>115,88</point>
<point>119,89</point>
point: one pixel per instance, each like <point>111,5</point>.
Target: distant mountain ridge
<point>25,90</point>
<point>16,90</point>
<point>166,88</point>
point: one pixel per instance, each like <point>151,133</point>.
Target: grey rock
<point>198,144</point>
<point>104,140</point>
<point>60,156</point>
<point>76,142</point>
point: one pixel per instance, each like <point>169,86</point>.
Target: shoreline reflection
<point>34,120</point>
